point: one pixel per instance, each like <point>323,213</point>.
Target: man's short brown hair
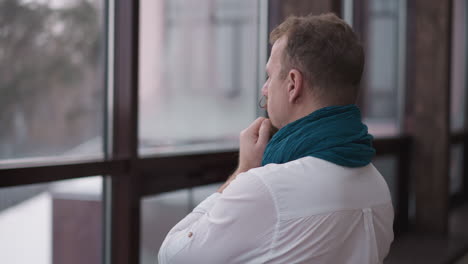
<point>326,51</point>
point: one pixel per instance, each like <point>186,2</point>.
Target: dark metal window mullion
<point>125,186</point>
<point>55,172</point>
<point>465,140</point>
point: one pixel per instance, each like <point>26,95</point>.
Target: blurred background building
<point>118,117</point>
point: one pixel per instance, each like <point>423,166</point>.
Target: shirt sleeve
<point>236,226</point>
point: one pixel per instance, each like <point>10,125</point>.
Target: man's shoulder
<point>309,169</point>
<point>310,185</point>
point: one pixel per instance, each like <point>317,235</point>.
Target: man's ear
<point>295,85</point>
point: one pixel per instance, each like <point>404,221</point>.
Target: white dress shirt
<point>304,211</point>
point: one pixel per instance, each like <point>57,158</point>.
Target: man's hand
<point>253,141</point>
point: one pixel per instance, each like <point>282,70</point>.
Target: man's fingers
<point>255,126</point>
<point>264,133</point>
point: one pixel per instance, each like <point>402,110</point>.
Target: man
<point>310,194</point>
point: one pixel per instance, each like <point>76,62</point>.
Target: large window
<point>458,94</point>
<point>381,25</point>
<point>52,58</point>
<point>52,90</point>
<point>458,66</point>
<point>59,222</point>
<point>198,73</point>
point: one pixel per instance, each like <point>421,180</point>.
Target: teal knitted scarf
<point>335,134</point>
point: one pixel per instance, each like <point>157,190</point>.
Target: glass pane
<point>160,213</point>
<point>459,61</point>
<point>51,81</point>
<point>198,78</point>
<point>384,67</point>
<point>387,166</point>
<point>60,222</point>
<point>456,169</point>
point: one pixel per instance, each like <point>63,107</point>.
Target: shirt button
<point>190,234</point>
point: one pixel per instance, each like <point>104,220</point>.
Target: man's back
<point>305,211</point>
<point>328,213</point>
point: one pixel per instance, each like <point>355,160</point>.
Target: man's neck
<point>306,109</point>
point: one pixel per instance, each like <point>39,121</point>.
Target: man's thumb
<point>264,132</point>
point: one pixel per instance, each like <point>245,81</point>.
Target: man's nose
<point>264,90</point>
